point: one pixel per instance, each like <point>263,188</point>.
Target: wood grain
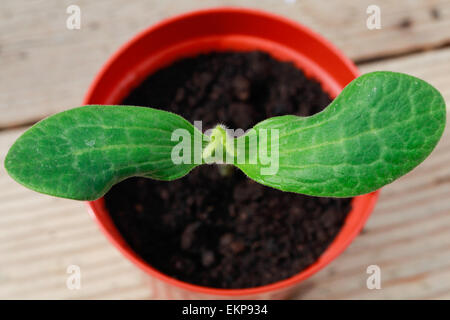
<point>47,68</point>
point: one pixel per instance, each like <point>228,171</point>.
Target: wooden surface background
<point>45,68</point>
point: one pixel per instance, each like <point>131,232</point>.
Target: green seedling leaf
<point>381,126</point>
<point>80,153</point>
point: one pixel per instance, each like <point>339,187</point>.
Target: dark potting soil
<point>226,232</point>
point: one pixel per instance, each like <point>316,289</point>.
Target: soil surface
<point>226,232</point>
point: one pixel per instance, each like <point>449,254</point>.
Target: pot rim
<point>366,202</point>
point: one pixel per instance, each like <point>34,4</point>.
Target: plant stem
<point>225,169</point>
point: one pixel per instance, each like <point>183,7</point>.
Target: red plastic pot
<point>218,30</point>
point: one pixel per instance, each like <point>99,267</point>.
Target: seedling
<point>381,126</point>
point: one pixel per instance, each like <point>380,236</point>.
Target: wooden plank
<point>407,235</point>
<point>47,68</point>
